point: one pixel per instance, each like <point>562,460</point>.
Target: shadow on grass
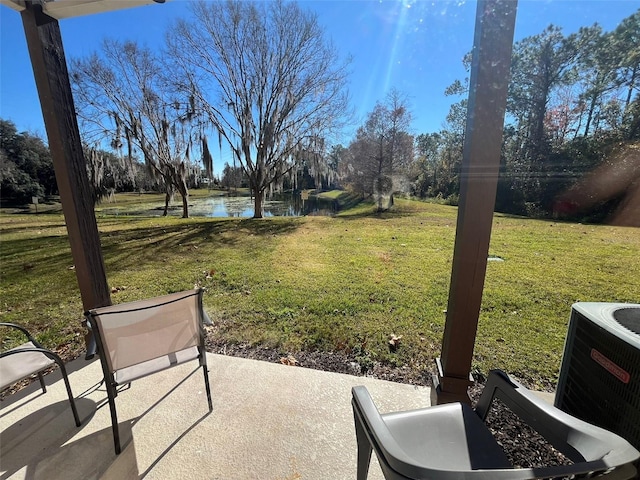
<point>170,236</point>
<point>21,228</point>
<point>129,246</point>
<point>374,213</point>
<point>27,254</point>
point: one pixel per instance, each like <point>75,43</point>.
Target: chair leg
<point>42,385</point>
<point>71,399</point>
<point>206,384</point>
<point>364,450</point>
<point>111,393</point>
<point>65,377</point>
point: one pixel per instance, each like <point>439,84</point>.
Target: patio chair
<point>452,441</point>
<point>30,358</point>
<point>140,338</point>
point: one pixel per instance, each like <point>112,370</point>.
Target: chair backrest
<point>135,332</point>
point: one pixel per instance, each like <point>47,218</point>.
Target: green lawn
<point>338,284</point>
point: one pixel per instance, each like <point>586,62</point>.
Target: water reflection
<point>242,207</point>
<point>234,206</point>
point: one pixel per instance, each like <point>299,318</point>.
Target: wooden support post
<point>495,20</point>
<point>52,81</point>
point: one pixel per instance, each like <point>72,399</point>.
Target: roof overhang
<point>60,9</point>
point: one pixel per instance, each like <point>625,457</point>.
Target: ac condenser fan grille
<point>600,375</point>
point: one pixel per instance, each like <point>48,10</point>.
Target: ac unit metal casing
<point>600,374</point>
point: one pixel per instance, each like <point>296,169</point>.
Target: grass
<point>337,284</point>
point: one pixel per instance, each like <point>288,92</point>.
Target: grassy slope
<point>342,283</point>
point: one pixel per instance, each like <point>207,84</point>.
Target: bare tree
<point>123,95</point>
<point>382,152</point>
<point>268,81</point>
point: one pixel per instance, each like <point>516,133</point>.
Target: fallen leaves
<point>394,341</point>
<point>289,360</point>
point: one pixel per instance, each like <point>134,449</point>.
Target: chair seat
<point>21,365</point>
<point>126,375</point>
<point>442,436</point>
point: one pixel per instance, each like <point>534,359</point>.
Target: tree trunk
<point>257,202</point>
<point>185,204</point>
<point>631,85</point>
<point>592,108</point>
<point>181,186</point>
<point>167,199</point>
<point>575,135</point>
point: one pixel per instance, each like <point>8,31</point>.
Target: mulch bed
<point>327,361</point>
<point>524,447</point>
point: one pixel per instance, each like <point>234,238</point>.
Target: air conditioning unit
<point>600,373</point>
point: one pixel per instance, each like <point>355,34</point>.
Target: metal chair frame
<point>38,348</point>
<point>109,375</point>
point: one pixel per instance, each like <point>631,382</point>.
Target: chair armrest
<point>48,353</point>
<point>22,329</point>
<point>578,440</point>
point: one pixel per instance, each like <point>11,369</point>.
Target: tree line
<point>573,105</point>
<point>262,81</point>
<point>26,170</point>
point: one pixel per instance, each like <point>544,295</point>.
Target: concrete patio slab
<point>269,421</point>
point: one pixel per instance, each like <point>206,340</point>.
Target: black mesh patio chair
<point>140,338</point>
<point>28,359</point>
<point>451,441</point>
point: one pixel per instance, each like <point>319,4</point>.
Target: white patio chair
<point>451,441</point>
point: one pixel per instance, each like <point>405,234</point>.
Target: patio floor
<point>269,421</point>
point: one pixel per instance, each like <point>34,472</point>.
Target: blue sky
<point>413,45</point>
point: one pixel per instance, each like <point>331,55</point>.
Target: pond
<point>280,206</point>
<point>237,206</point>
